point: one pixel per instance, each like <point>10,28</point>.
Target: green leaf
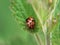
<point>21,11</point>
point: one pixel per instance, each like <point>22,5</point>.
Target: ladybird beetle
<point>30,22</point>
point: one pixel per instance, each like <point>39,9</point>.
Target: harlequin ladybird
<point>30,22</point>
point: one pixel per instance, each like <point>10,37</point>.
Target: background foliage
<point>10,32</point>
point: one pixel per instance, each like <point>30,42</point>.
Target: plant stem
<point>48,35</point>
<point>50,38</point>
<point>47,38</point>
<point>38,39</point>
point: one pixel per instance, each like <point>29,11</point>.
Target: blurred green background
<point>10,33</point>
